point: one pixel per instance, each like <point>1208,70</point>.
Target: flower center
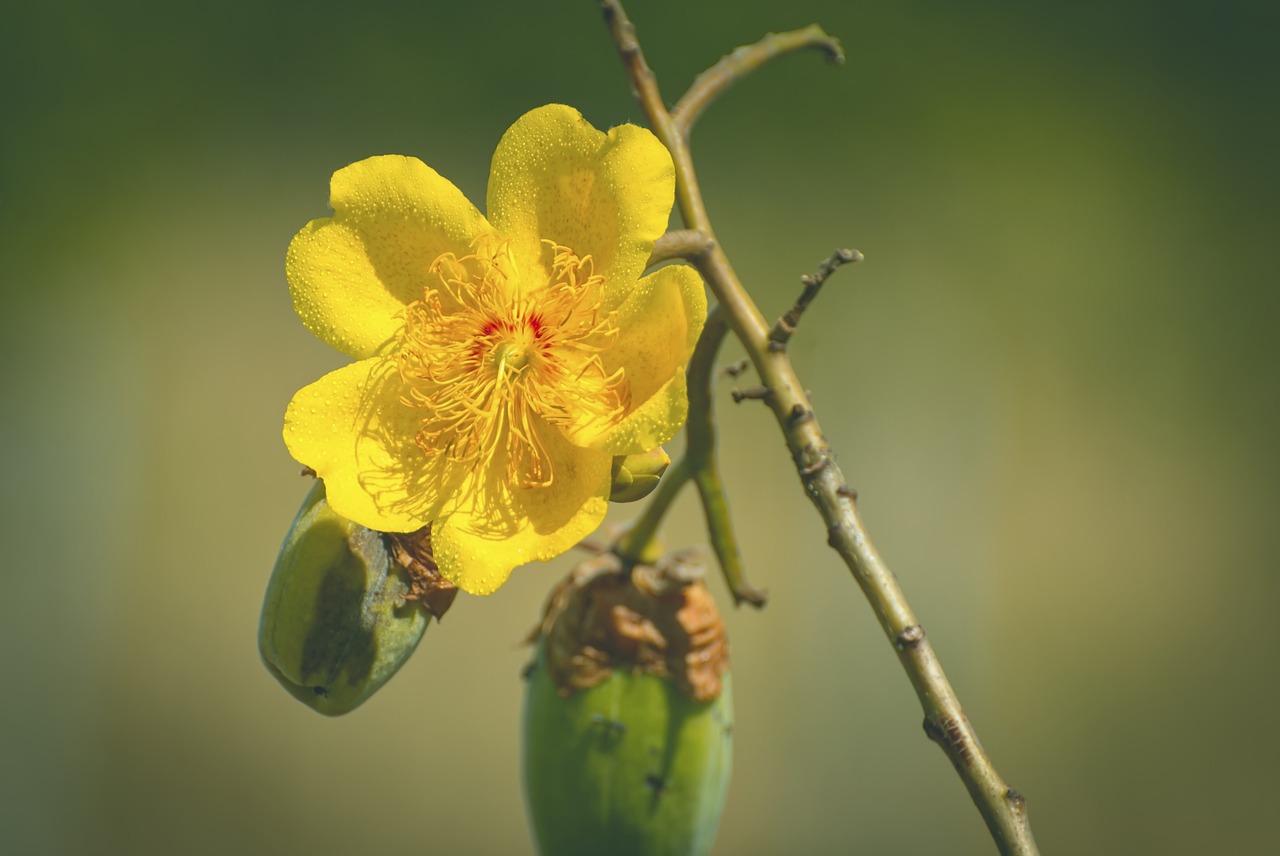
<point>500,365</point>
<point>513,354</point>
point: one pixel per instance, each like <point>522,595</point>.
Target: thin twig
<point>636,543</point>
<point>715,507</point>
<point>785,326</point>
<point>729,70</point>
<point>679,244</point>
<point>700,450</point>
<point>1003,809</point>
<point>698,465</point>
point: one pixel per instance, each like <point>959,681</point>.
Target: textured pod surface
<point>630,767</point>
<point>335,625</point>
<point>628,718</point>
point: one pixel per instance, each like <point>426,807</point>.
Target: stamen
<point>495,361</point>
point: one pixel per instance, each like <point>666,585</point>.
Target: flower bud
<point>336,622</point>
<point>635,476</point>
<point>628,714</point>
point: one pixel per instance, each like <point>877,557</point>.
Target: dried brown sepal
<point>659,619</point>
<point>427,586</point>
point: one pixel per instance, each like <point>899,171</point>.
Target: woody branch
<point>1003,809</point>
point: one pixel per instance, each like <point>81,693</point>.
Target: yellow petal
<point>477,552</point>
<point>350,274</point>
<point>352,429</point>
<point>555,177</point>
<point>660,323</point>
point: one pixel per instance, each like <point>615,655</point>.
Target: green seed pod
<point>628,717</point>
<point>335,623</point>
<point>635,476</point>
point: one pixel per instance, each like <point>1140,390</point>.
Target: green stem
<point>715,507</point>
<point>698,464</point>
<point>709,85</point>
<point>637,544</point>
<point>701,431</point>
<point>1003,809</point>
<point>701,453</point>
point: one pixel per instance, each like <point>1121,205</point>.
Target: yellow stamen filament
<point>494,361</point>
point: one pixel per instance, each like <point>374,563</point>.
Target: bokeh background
<point>1054,382</point>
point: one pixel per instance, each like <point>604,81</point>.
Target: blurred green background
<point>1053,381</point>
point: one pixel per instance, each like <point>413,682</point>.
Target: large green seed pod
<point>335,622</point>
<point>628,717</point>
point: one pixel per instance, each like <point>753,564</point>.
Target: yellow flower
<point>501,363</point>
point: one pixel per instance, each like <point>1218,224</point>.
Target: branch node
<point>758,393</point>
<point>823,461</point>
<point>910,639</point>
<point>785,326</point>
<point>624,32</point>
<point>688,244</point>
<point>950,735</point>
<point>847,492</point>
<point>737,369</point>
<point>799,413</point>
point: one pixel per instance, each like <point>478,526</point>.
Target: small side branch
<point>751,393</point>
<point>785,326</point>
<point>720,528</point>
<point>700,452</point>
<point>699,466</point>
<point>711,83</point>
<point>687,244</point>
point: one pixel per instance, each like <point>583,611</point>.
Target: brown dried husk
<point>658,619</point>
<point>427,586</point>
